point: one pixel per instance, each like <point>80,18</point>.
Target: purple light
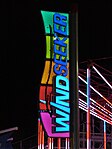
<point>47,122</point>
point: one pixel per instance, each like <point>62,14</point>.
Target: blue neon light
<point>60,26</point>
<point>62,121</point>
<point>62,99</point>
<point>62,83</point>
<point>60,70</point>
<point>60,41</point>
<point>61,107</point>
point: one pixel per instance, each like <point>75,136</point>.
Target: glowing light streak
<point>92,112</point>
<point>99,108</point>
<point>96,115</point>
<point>109,105</point>
<point>102,77</point>
<point>43,101</point>
<point>101,112</point>
<point>82,93</point>
<point>96,104</point>
<point>81,102</point>
<point>93,109</point>
<point>96,91</point>
<point>91,86</point>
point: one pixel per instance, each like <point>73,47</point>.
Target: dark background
<point>22,53</point>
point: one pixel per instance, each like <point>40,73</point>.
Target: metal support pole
<point>49,143</point>
<point>52,143</point>
<point>40,136</point>
<point>111,136</point>
<point>104,135</point>
<point>42,139</point>
<point>88,110</point>
<point>93,131</point>
<point>59,143</point>
<point>66,143</point>
<point>38,133</point>
<point>73,71</point>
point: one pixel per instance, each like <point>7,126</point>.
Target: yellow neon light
<point>52,74</point>
<point>50,49</point>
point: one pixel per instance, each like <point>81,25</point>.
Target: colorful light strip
<point>93,110</point>
<point>97,104</point>
<point>96,91</point>
<point>88,111</point>
<point>105,135</point>
<point>102,77</point>
<point>56,27</point>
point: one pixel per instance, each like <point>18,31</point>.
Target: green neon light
<point>47,19</point>
<point>56,26</point>
<point>48,48</point>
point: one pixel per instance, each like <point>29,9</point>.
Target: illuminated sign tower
<point>54,90</point>
<point>55,93</point>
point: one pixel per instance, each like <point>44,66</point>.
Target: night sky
<point>22,54</point>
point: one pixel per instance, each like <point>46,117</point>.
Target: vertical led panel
<point>54,90</point>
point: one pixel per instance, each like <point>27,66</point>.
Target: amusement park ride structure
<point>100,118</point>
<point>67,90</point>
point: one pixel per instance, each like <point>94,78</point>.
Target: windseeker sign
<point>54,89</point>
